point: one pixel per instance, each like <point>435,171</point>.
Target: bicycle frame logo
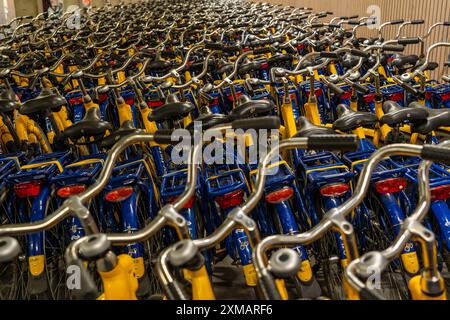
<point>231,147</point>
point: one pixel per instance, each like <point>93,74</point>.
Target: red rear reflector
<point>346,95</point>
<point>231,199</point>
<point>119,194</point>
<point>445,96</point>
<point>154,104</point>
<point>391,185</point>
<point>369,97</point>
<point>74,101</point>
<point>396,96</point>
<point>129,101</point>
<point>440,193</point>
<point>280,195</point>
<point>334,190</point>
<point>102,97</point>
<point>215,102</point>
<point>28,189</point>
<point>68,191</point>
<point>188,204</point>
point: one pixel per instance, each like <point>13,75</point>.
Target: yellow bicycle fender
<point>36,264</point>
<point>305,273</point>
<point>139,267</point>
<point>250,275</point>
<point>410,262</point>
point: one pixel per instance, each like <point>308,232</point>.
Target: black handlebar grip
<point>278,38</point>
<point>353,23</point>
<point>258,25</point>
<point>393,47</point>
<point>213,46</point>
<point>405,41</point>
<point>329,54</point>
<point>269,122</point>
<point>262,50</point>
<point>360,53</point>
<point>231,49</point>
<point>399,21</point>
<point>419,21</point>
<point>322,15</point>
<point>447,23</point>
<point>88,289</point>
<point>333,87</point>
<point>317,25</point>
<point>353,17</point>
<point>334,26</point>
<point>163,136</point>
<point>333,142</point>
<point>361,88</point>
<point>436,153</point>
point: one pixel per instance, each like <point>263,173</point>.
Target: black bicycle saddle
<point>46,100</point>
<point>8,101</point>
<point>90,126</point>
<point>273,60</point>
<point>209,120</point>
<point>173,109</point>
<point>436,118</point>
<point>348,119</point>
<point>126,129</point>
<point>226,68</point>
<point>159,65</point>
<point>401,61</point>
<point>394,114</point>
<point>250,66</point>
<point>247,107</point>
<point>306,129</point>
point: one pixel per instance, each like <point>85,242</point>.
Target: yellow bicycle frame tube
<point>120,283</point>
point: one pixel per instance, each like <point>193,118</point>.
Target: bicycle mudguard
<point>36,248</point>
<point>409,258</point>
<point>238,241</point>
<point>130,224</point>
<point>441,212</point>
